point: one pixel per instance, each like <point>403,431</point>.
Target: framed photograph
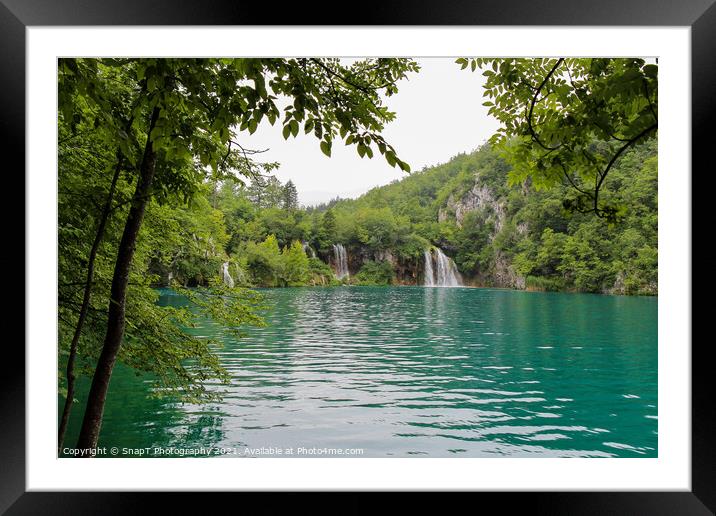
<point>437,249</point>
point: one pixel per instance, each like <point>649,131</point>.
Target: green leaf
<point>390,158</point>
<point>326,148</point>
<point>155,133</point>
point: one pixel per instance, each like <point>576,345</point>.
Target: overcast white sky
<point>439,114</point>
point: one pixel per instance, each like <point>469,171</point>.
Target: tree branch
<point>603,175</point>
<point>534,101</point>
<point>327,69</point>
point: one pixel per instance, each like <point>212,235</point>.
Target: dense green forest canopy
<point>467,208</point>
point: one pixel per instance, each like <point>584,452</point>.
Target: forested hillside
<point>498,235</point>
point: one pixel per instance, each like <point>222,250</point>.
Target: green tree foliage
<point>583,253</point>
<point>191,241</point>
<point>267,266</point>
<point>490,229</point>
<point>264,262</point>
<point>327,233</point>
<point>473,241</point>
<point>375,273</point>
<point>266,192</point>
<point>376,228</point>
<point>171,125</point>
<point>295,265</point>
<point>290,196</point>
<point>320,273</point>
<point>570,120</point>
<point>187,239</point>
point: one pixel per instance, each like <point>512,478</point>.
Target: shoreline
<point>482,287</point>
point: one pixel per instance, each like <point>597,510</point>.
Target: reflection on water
<point>412,371</point>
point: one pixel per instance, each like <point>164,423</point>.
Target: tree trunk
<point>99,235</point>
<point>92,421</point>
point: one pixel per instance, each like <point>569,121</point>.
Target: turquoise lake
<point>415,372</point>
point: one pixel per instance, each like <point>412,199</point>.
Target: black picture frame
<point>700,15</point>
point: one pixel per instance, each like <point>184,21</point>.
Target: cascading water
<point>340,258</point>
<point>429,274</point>
<point>444,273</point>
<point>228,280</point>
<point>447,274</point>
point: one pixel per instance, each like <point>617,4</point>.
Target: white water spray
<point>340,258</point>
<point>444,273</point>
<point>228,280</point>
<point>429,274</point>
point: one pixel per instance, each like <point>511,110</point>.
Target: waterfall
<point>340,259</point>
<point>228,280</point>
<point>447,274</point>
<point>429,274</point>
<point>444,273</point>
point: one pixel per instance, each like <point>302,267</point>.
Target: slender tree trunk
<point>99,235</point>
<point>92,421</point>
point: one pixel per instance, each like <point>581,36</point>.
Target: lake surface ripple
<point>412,371</point>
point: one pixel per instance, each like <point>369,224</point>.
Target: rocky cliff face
<point>504,275</point>
<point>407,272</point>
<point>480,198</point>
